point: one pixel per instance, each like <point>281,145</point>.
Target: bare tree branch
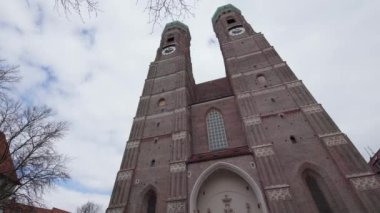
<point>30,135</point>
<point>160,10</point>
<point>89,207</point>
<point>77,6</point>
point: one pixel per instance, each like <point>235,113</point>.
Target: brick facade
<point>281,142</point>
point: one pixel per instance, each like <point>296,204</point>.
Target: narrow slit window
<point>293,139</point>
<point>216,132</point>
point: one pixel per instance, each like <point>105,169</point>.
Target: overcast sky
<point>92,72</point>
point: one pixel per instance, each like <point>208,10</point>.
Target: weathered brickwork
<point>271,136</point>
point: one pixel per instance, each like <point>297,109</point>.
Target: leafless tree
<point>89,207</point>
<point>77,6</point>
<point>8,76</point>
<point>158,10</point>
<point>31,133</point>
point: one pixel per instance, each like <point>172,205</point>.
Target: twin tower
<point>255,141</point>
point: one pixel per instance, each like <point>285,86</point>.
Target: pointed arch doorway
<point>224,187</point>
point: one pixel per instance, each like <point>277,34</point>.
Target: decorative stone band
<point>139,118</point>
<point>263,150</point>
<point>365,181</point>
<point>294,84</point>
<point>278,192</point>
<point>252,120</point>
<point>259,70</point>
<point>162,93</point>
<point>269,90</point>
<point>176,207</point>
<point>335,140</point>
<point>177,167</point>
<point>183,109</point>
<point>243,95</point>
<point>133,144</point>
<point>179,135</point>
<point>310,109</point>
<point>144,97</point>
<point>115,210</point>
<point>124,175</point>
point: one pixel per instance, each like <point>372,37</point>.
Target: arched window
<point>318,191</point>
<point>215,129</point>
<point>150,201</point>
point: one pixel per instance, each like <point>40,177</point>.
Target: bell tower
<point>303,159</point>
<point>152,176</point>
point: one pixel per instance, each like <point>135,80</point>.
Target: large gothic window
<point>318,191</point>
<point>215,129</point>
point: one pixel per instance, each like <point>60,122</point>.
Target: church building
<point>255,141</point>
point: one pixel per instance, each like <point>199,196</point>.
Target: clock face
<point>236,31</point>
<point>168,50</point>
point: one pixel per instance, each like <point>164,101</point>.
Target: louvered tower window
<point>215,129</point>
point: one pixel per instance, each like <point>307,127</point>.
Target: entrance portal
<point>225,191</point>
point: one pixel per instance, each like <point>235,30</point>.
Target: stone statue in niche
<point>227,204</point>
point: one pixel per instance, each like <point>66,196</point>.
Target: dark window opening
<point>155,140</point>
<point>158,124</point>
<point>170,39</point>
<point>273,100</point>
<point>317,194</point>
<point>230,21</point>
<point>293,139</point>
<point>152,203</point>
<point>153,162</point>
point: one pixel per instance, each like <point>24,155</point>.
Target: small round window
<point>161,102</point>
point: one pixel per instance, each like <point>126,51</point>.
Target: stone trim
<point>177,167</point>
<point>243,95</point>
<point>365,182</point>
<point>174,207</point>
<point>124,175</point>
<point>263,151</point>
<point>278,192</point>
<point>179,135</point>
<point>269,90</point>
<point>270,67</point>
<point>330,134</point>
<point>132,144</point>
<point>139,118</point>
<point>334,140</point>
<point>310,109</point>
<point>355,175</point>
<point>183,109</point>
<point>162,93</point>
<point>252,120</point>
<point>294,84</point>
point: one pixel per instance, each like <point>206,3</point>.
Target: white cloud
<point>331,46</point>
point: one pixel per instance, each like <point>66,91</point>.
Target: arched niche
<point>148,201</point>
<point>223,186</point>
<point>320,189</point>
